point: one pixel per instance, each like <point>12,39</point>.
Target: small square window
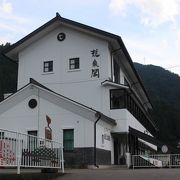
<point>117,99</point>
<point>48,66</point>
<point>1,135</point>
<point>74,63</point>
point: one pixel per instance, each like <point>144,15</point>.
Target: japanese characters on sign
<point>7,152</point>
<point>95,65</point>
<point>107,137</point>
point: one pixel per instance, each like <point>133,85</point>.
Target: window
<point>116,72</point>
<point>48,66</point>
<point>117,98</point>
<point>126,82</point>
<point>1,135</point>
<point>74,63</point>
<point>68,139</point>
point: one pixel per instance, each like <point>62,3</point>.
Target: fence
<point>160,160</point>
<point>21,150</point>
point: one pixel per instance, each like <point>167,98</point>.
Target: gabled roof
<point>49,26</point>
<point>12,51</point>
<point>40,86</point>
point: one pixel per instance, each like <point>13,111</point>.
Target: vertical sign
<point>95,65</point>
<point>48,130</point>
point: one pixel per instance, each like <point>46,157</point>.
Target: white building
<point>84,80</point>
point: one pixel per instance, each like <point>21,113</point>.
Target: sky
<point>150,29</point>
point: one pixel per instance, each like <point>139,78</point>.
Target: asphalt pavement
<point>121,174</point>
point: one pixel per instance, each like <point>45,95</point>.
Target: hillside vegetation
<point>8,73</point>
<point>163,88</point>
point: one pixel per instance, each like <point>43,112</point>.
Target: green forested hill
<point>163,88</point>
<point>8,73</point>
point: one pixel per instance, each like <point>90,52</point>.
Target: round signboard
<point>32,103</point>
<point>61,37</point>
<point>164,149</point>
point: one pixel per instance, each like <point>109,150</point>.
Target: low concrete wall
<point>81,157</point>
<point>29,176</point>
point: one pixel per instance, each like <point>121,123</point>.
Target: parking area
<point>121,174</point>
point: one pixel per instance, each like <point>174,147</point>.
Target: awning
<point>151,140</point>
<point>145,137</point>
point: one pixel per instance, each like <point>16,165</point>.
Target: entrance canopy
<point>151,140</point>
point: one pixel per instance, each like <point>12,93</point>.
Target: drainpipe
<point>98,115</point>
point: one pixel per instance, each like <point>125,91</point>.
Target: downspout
<point>95,123</point>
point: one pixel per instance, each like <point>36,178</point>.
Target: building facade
<point>84,80</point>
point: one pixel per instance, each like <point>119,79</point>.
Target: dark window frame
<point>126,83</point>
<point>71,140</point>
<point>133,107</point>
<point>74,63</point>
<point>117,74</point>
<point>47,66</point>
<point>124,98</point>
<point>2,134</point>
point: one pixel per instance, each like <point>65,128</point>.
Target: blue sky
<point>150,29</point>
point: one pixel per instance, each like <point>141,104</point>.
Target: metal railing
<point>158,160</point>
<point>27,151</point>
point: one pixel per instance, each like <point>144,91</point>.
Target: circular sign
<point>164,149</point>
<point>61,37</point>
<point>32,103</point>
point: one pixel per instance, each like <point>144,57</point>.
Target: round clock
<point>61,36</point>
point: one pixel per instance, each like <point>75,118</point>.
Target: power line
<point>170,67</point>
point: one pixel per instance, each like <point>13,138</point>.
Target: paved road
<point>122,174</point>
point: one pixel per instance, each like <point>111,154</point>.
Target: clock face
<point>61,37</point>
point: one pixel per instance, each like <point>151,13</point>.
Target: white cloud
<point>178,38</point>
<point>119,6</point>
<point>152,12</point>
<point>6,13</point>
<point>13,28</point>
<point>11,23</point>
<point>6,7</point>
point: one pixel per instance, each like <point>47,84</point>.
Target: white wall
<point>120,115</point>
<point>132,121</point>
<point>124,119</point>
<point>63,119</point>
<point>77,85</point>
<point>16,115</point>
<point>104,129</point>
<point>21,118</point>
